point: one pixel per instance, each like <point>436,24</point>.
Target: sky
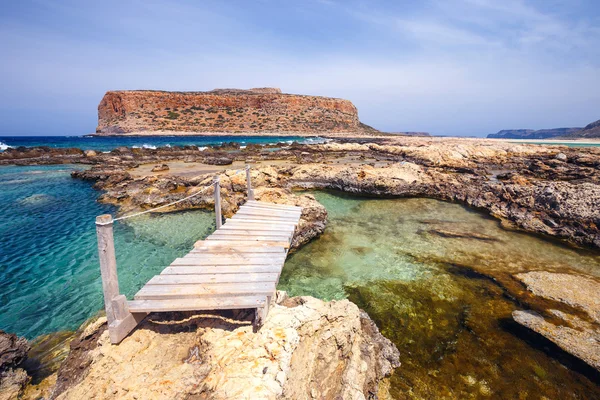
<point>448,67</point>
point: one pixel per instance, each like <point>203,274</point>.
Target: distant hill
<point>533,134</point>
<point>590,131</point>
<point>410,133</point>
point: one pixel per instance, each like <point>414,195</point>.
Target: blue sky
<point>459,67</point>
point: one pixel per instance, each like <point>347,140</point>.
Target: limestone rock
<point>575,334</point>
<point>160,168</point>
<point>307,348</point>
<point>13,351</point>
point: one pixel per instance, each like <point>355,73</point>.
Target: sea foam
<point>4,146</point>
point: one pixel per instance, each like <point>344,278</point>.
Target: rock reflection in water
<point>423,271</point>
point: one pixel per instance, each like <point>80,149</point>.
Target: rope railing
<point>215,182</point>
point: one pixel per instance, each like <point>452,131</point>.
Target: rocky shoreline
<point>547,190</point>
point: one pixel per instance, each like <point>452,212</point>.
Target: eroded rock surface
<point>13,351</point>
<point>306,349</point>
<point>576,333</point>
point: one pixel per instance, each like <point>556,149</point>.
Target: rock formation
<point>307,348</point>
<point>577,331</point>
<point>223,111</point>
<point>13,351</point>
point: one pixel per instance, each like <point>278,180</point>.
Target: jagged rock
<point>13,351</point>
<point>307,348</point>
<point>90,153</point>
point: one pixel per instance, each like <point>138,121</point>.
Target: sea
<point>108,143</point>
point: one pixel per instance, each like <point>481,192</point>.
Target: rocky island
<point>225,111</point>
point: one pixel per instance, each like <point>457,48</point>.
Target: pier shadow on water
<point>431,275</point>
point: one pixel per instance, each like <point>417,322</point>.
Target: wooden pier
<point>236,267</point>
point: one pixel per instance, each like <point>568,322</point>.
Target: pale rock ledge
<point>307,349</point>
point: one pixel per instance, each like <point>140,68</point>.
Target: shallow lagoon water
<point>413,265</point>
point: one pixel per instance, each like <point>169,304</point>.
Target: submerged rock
<point>307,348</point>
<point>576,332</point>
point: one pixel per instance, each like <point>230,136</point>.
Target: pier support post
<point>120,320</point>
<point>249,184</point>
<point>218,202</point>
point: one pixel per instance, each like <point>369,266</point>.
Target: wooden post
<point>108,263</point>
<point>120,320</point>
<point>218,202</point>
<point>249,184</point>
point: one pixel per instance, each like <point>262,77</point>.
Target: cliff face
<point>223,110</point>
<point>532,134</point>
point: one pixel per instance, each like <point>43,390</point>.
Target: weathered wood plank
<point>272,208</point>
<point>221,269</point>
<point>158,292</point>
<point>253,207</point>
<point>266,204</point>
<point>269,224</point>
<point>206,303</point>
<point>200,261</point>
<point>245,218</point>
<point>233,244</point>
<point>257,232</point>
<point>234,259</point>
<point>263,211</point>
<point>250,225</point>
<point>213,278</point>
<point>239,250</point>
<point>258,238</point>
<point>119,329</point>
<point>270,217</point>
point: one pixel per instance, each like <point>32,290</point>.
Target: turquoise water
<point>109,143</point>
<point>49,273</point>
<point>427,273</point>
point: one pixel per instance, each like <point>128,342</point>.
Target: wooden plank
<point>272,206</point>
<point>260,220</point>
<point>119,329</point>
<point>233,244</point>
<point>239,250</point>
<point>263,211</point>
<point>257,232</point>
<point>270,223</point>
<point>268,238</point>
<point>213,278</point>
<point>261,227</point>
<point>233,259</point>
<point>222,269</point>
<point>267,208</point>
<point>205,303</point>
<point>270,242</point>
<point>158,292</point>
<point>200,261</point>
<point>265,204</point>
<point>272,218</point>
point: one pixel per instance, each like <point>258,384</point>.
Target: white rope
<point>157,208</point>
<point>166,205</point>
